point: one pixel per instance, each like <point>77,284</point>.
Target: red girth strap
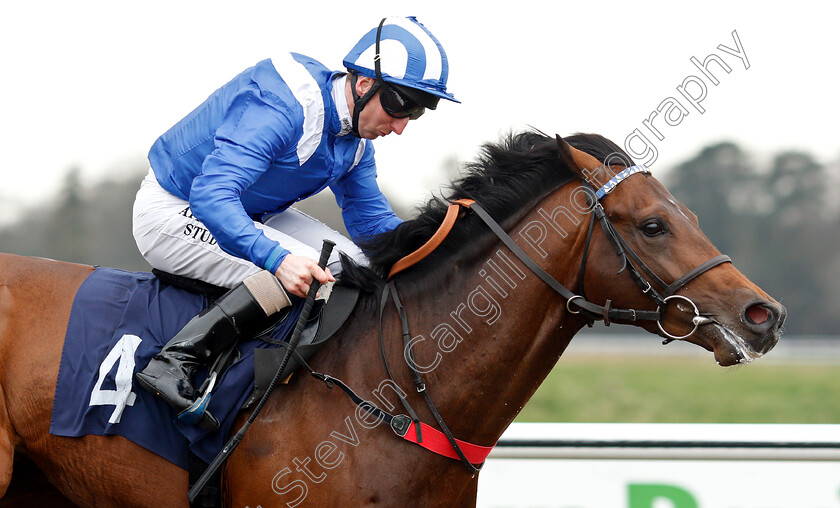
<point>435,441</point>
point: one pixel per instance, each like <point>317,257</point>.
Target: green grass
<point>683,390</point>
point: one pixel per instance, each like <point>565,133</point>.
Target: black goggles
<point>398,105</point>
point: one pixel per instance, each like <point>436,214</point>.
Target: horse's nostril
<point>757,314</point>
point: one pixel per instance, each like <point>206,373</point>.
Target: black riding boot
<point>235,315</point>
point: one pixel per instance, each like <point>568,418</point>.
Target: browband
<point>617,179</point>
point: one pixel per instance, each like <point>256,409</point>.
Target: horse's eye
<point>653,228</point>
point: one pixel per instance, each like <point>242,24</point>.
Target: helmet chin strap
<point>359,103</point>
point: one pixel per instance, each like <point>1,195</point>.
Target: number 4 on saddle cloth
<point>119,320</point>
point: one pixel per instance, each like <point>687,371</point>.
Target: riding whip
<point>231,445</point>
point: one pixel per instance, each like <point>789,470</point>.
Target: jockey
<point>216,204</point>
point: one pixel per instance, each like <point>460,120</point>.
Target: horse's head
<point>715,306</point>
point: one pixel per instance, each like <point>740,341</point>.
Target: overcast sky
<point>93,83</point>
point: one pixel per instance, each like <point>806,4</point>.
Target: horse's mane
<point>507,178</point>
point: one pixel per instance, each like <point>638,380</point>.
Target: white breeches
<point>172,240</point>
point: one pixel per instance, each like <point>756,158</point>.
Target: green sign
<point>642,495</point>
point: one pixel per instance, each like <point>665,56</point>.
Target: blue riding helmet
<point>408,63</point>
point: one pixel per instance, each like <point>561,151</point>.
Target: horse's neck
<point>483,355</point>
<point>489,339</point>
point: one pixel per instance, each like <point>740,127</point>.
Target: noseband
<point>576,303</point>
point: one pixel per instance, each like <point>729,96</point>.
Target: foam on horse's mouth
<point>745,353</point>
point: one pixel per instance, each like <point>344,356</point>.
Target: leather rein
<point>444,442</point>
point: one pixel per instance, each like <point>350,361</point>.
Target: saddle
<point>325,320</point>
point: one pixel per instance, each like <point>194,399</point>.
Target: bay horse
<point>485,329</point>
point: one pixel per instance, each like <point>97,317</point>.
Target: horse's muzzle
<point>765,320</point>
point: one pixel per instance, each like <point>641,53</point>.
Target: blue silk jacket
<point>268,138</point>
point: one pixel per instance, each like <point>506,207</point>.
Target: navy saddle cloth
<point>118,321</point>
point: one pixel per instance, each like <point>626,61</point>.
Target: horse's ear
<point>566,153</point>
<point>574,158</point>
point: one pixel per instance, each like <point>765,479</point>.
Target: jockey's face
<point>373,120</point>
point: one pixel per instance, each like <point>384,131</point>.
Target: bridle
<point>576,303</point>
<point>409,427</point>
<point>630,261</point>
